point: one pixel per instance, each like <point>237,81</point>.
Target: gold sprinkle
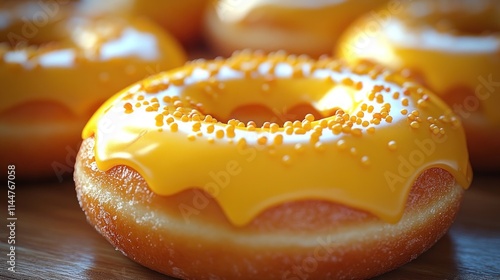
<point>341,145</point>
<point>380,98</point>
<point>323,123</point>
<point>128,108</point>
<point>177,81</point>
<point>365,160</point>
<point>170,119</point>
<point>266,125</point>
<point>347,81</point>
<point>414,124</point>
<point>219,133</point>
<point>359,86</point>
<point>319,147</point>
<point>337,129</point>
<point>392,145</point>
<point>196,127</point>
<point>356,132</point>
<point>278,139</point>
<point>159,120</point>
<point>421,103</point>
<point>297,124</point>
<point>262,140</point>
<point>242,143</point>
<point>346,128</point>
<point>306,125</point>
<point>174,127</point>
<point>208,118</point>
<point>191,137</point>
<point>210,128</point>
<point>299,131</point>
<point>274,127</point>
<point>309,117</point>
<point>299,147</point>
<point>230,131</point>
<point>286,159</point>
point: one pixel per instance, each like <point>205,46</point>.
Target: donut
<point>298,26</point>
<point>180,18</point>
<point>177,175</point>
<point>453,48</point>
<point>55,78</point>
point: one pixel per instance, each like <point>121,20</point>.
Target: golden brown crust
<point>320,240</point>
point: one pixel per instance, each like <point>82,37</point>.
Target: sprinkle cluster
<point>387,98</point>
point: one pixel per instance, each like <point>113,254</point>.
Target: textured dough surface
<point>317,239</point>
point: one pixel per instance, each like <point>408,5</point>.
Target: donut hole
<point>468,26</point>
<point>284,100</point>
<point>260,113</point>
<point>474,18</point>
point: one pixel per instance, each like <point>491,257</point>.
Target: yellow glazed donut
<point>53,81</point>
<point>181,18</point>
<point>178,176</point>
<point>453,48</point>
<point>23,20</point>
<point>298,26</point>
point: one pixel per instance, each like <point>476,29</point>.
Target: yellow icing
<point>454,46</point>
<point>92,57</point>
<point>366,154</point>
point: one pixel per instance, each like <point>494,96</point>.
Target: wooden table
<point>54,241</point>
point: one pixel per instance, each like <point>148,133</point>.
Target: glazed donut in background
<point>453,47</point>
<point>181,18</point>
<point>21,20</point>
<point>298,26</point>
<point>53,81</point>
<point>340,172</point>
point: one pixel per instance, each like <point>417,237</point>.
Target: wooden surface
<point>54,240</point>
